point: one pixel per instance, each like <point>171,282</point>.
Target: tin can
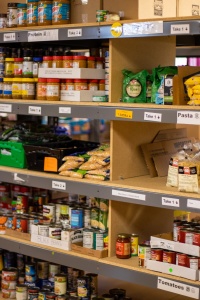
<point>9,259</point>
<point>95,217</point>
<point>42,294</point>
<point>58,213</point>
<point>8,285</point>
<point>64,209</point>
<point>9,274</point>
<point>157,254</point>
<point>55,231</point>
<point>73,288</point>
<point>43,229</point>
<point>77,218</point>
<point>181,259</point>
<point>98,240</point>
<point>134,244</point>
<point>103,220</point>
<point>53,269</point>
<point>87,217</point>
<point>73,197</point>
<point>11,294</point>
<point>20,261</point>
<point>196,238</point>
<point>83,286</point>
<point>50,296</point>
<point>42,269</point>
<point>22,203</point>
<point>88,238</point>
<point>144,253</point>
<point>10,223</point>
<point>101,15</point>
<point>93,283</point>
<point>21,278</point>
<point>49,211</point>
<point>21,223</point>
<point>33,293</point>
<point>60,286</point>
<point>21,292</point>
<point>186,235</point>
<point>30,270</point>
<point>169,257</point>
<point>193,262</point>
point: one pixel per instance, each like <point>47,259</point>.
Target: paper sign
<point>59,185</point>
<point>65,110</point>
<point>153,117</point>
<point>6,107</point>
<point>170,202</point>
<point>74,32</point>
<point>125,114</point>
<point>180,29</point>
<point>8,37</point>
<point>129,195</point>
<point>34,110</point>
<point>43,35</point>
<point>188,117</point>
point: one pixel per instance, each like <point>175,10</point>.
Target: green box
<point>12,154</point>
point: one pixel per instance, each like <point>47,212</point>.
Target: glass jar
<point>12,15</point>
<point>7,88</point>
<point>80,84</point>
<point>28,88</point>
<point>67,61</point>
<point>99,63</point>
<point>21,14</point>
<point>2,67</point>
<point>1,87</point>
<point>18,62</point>
<point>61,12</point>
<point>53,89</point>
<point>79,61</point>
<point>123,246</point>
<point>93,85</point>
<point>3,20</point>
<point>102,85</point>
<point>9,67</point>
<point>57,61</point>
<point>37,63</point>
<point>91,62</point>
<point>44,12</point>
<point>67,85</point>
<point>27,67</point>
<point>17,88</point>
<point>47,61</point>
<point>32,13</point>
<point>41,89</point>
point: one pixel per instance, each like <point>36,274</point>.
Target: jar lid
<point>3,15</point>
<point>36,80</point>
<point>18,59</point>
<point>37,59</point>
<point>57,57</point>
<point>123,235</point>
<point>100,58</point>
<point>79,57</point>
<point>28,80</point>
<point>93,81</point>
<point>12,4</point>
<point>47,58</point>
<point>53,80</point>
<point>17,79</point>
<point>7,79</point>
<point>70,80</point>
<point>102,81</point>
<point>80,80</point>
<point>68,57</point>
<point>90,58</point>
<point>42,80</point>
<point>1,79</point>
<point>21,5</point>
<point>9,59</point>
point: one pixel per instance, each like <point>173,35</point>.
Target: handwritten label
<point>34,110</point>
<point>6,107</point>
<point>125,114</point>
<point>153,117</point>
<point>180,29</point>
<point>43,35</point>
<point>140,28</point>
<point>170,202</point>
<point>65,110</point>
<point>8,37</point>
<point>74,32</point>
<point>163,244</point>
<point>188,117</point>
<point>43,240</point>
<point>59,185</point>
<point>129,195</point>
<point>177,288</point>
<point>193,203</point>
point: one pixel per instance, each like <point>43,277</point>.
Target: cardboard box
<point>80,11</point>
<point>79,95</point>
<point>165,241</point>
<point>72,73</point>
<point>17,234</point>
<point>78,247</point>
<point>173,269</point>
<point>4,4</point>
<point>128,8</point>
<point>188,8</point>
<point>153,9</point>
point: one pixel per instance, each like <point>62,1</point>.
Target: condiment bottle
<point>99,63</point>
<point>80,84</point>
<point>123,246</point>
<point>27,67</point>
<point>18,62</point>
<point>79,61</point>
<point>57,61</point>
<point>1,87</point>
<point>3,20</point>
<point>41,93</point>
<point>47,62</point>
<point>53,89</point>
<point>44,12</point>
<point>7,88</point>
<point>17,88</point>
<point>93,85</point>
<point>102,85</point>
<point>12,15</point>
<point>67,61</point>
<point>91,62</point>
<point>28,88</point>
<point>61,12</point>
<point>37,63</point>
<point>21,14</point>
<point>32,13</point>
<point>9,67</point>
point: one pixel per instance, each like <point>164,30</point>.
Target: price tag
<point>59,185</point>
<point>153,117</point>
<point>34,110</point>
<point>6,108</point>
<point>43,35</point>
<point>166,245</point>
<point>193,203</point>
<point>180,29</point>
<point>188,117</point>
<point>129,195</point>
<point>141,28</point>
<point>8,37</point>
<point>65,110</point>
<point>74,32</point>
<point>170,202</point>
<point>124,114</point>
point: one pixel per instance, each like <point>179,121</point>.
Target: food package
<point>192,85</point>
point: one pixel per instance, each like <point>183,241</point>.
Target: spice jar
<point>9,67</point>
<point>79,61</point>
<point>41,89</point>
<point>57,61</point>
<point>44,12</point>
<point>53,89</point>
<point>21,14</point>
<point>67,61</point>
<point>123,246</point>
<point>67,85</point>
<point>47,62</point>
<point>27,67</point>
<point>12,15</point>
<point>37,62</point>
<point>17,88</point>
<point>3,20</point>
<point>1,87</point>
<point>61,12</point>
<point>18,62</point>
<point>102,85</point>
<point>80,84</point>
<point>32,13</point>
<point>93,85</point>
<point>28,88</point>
<point>91,62</point>
<point>99,63</point>
<point>7,88</point>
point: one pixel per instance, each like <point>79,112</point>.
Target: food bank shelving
<point>131,189</point>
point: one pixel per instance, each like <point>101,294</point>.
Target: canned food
<point>181,259</point>
<point>88,238</point>
<point>33,293</point>
<point>21,292</point>
<point>157,254</point>
<point>9,274</point>
<point>21,223</point>
<point>186,235</point>
<point>55,231</point>
<point>22,203</point>
<point>53,269</point>
<point>50,296</point>
<point>98,240</point>
<point>30,270</point>
<point>77,218</point>
<point>193,262</point>
<point>87,217</point>
<point>43,229</point>
<point>169,257</point>
<point>196,238</point>
<point>42,269</point>
<point>134,244</point>
<point>103,220</point>
<point>11,285</point>
<point>20,261</point>
<point>144,253</point>
<point>83,286</point>
<point>42,294</point>
<point>49,211</point>
<point>11,294</point>
<point>93,283</point>
<point>95,217</point>
<point>60,286</point>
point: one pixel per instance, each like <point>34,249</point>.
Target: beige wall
<point>3,4</point>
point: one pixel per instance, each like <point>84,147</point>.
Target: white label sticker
<point>178,288</point>
<point>46,241</point>
<point>129,195</point>
<point>170,202</point>
<point>34,110</point>
<point>65,110</point>
<point>59,185</point>
<point>74,32</point>
<point>143,28</point>
<point>8,37</point>
<point>153,117</point>
<point>17,178</point>
<point>43,35</point>
<point>6,107</point>
<point>188,117</point>
<point>193,203</point>
<point>180,29</point>
<point>163,245</point>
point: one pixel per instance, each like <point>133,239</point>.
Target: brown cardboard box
<point>3,5</point>
<point>128,7</point>
<point>78,9</point>
<point>78,247</point>
<point>188,8</point>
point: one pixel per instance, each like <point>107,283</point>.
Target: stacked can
<point>107,71</point>
<point>9,282</point>
<point>60,284</point>
<point>30,275</point>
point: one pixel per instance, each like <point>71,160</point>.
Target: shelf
<point>141,190</point>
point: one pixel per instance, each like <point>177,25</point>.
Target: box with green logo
<point>12,154</point>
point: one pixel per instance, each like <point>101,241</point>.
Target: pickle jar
<point>7,88</point>
<point>61,12</point>
<point>41,89</point>
<point>37,63</point>
<point>91,62</point>
<point>32,13</point>
<point>93,85</point>
<point>80,84</point>
<point>12,15</point>
<point>57,61</point>
<point>9,67</point>
<point>67,61</point>
<point>45,12</point>
<point>28,88</point>
<point>27,67</point>
<point>123,246</point>
<point>18,63</point>
<point>79,61</point>
<point>1,87</point>
<point>21,14</point>
<point>102,85</point>
<point>47,61</point>
<point>99,63</point>
<point>17,88</point>
<point>53,89</point>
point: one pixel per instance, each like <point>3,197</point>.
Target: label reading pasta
<point>188,179</point>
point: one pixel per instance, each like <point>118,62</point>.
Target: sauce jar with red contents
<point>123,246</point>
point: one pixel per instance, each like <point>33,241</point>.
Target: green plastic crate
<point>12,154</point>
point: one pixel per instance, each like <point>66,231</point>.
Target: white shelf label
<point>170,202</point>
<point>43,35</point>
<point>153,117</point>
<point>163,245</point>
<point>129,195</point>
<point>34,110</point>
<point>180,29</point>
<point>65,110</point>
<point>46,241</point>
<point>193,203</point>
<point>8,37</point>
<point>143,28</point>
<point>178,288</point>
<point>188,117</point>
<point>59,185</point>
<point>74,32</point>
<point>5,107</point>
<point>17,178</point>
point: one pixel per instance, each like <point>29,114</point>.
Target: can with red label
<point>182,259</point>
<point>193,262</point>
<point>157,254</point>
<point>169,257</point>
<point>21,223</point>
<point>22,204</point>
<point>9,274</point>
<point>186,235</point>
<point>196,238</point>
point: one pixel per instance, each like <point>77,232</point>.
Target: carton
<point>153,9</point>
<point>72,73</point>
<point>3,5</point>
<point>188,8</point>
<point>79,95</point>
<point>79,11</point>
<point>78,247</point>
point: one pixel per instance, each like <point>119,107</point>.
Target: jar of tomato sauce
<point>123,246</point>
